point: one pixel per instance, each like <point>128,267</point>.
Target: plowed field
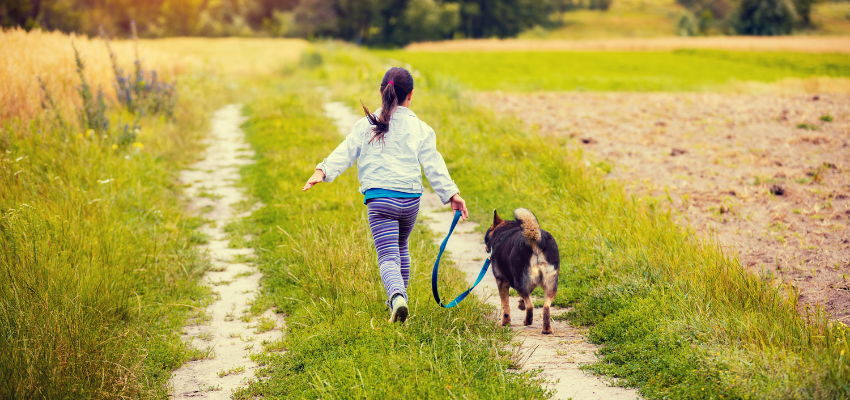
<point>767,176</point>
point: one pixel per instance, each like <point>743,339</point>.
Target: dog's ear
<point>496,219</point>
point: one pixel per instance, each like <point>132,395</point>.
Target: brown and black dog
<point>523,257</point>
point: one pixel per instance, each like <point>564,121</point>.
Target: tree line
<point>372,22</point>
<point>745,17</point>
<point>382,23</point>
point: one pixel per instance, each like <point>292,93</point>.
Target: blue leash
<point>437,266</point>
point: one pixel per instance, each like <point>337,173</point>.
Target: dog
<point>523,257</point>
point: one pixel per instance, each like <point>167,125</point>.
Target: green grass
<point>320,268</point>
<point>682,70</point>
<point>97,257</point>
<point>677,317</point>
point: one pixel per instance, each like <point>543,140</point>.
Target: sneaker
<point>399,312</point>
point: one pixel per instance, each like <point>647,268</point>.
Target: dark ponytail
<point>397,84</point>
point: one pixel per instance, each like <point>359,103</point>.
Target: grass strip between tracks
<point>321,269</point>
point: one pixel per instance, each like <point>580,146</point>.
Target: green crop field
<point>682,70</point>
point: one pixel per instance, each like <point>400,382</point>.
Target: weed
<point>141,92</point>
<point>210,388</point>
<point>219,268</point>
<point>265,324</point>
<point>93,114</point>
<point>204,193</point>
<point>195,354</point>
<point>826,118</point>
<point>244,274</point>
<point>808,127</point>
<point>237,242</point>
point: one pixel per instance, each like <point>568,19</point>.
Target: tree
<point>766,17</point>
<point>804,11</point>
<point>316,18</point>
<point>427,20</point>
<point>23,13</point>
<point>504,18</point>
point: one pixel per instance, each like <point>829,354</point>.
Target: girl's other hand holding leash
<point>459,204</point>
<point>318,176</point>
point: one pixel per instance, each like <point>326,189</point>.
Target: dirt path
<point>766,175</point>
<point>559,354</point>
<point>226,327</point>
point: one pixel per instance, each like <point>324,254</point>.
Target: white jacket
<point>409,143</point>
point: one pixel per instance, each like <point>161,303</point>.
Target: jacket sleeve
<point>343,157</point>
<point>435,169</point>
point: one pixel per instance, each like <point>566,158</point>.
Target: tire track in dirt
<point>559,355</point>
<point>226,327</point>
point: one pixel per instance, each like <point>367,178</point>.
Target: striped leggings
<point>391,221</point>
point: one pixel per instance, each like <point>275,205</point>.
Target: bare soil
<point>807,44</point>
<point>764,175</point>
<point>227,325</point>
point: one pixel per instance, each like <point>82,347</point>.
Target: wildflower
<point>89,132</point>
<point>114,146</point>
<point>79,136</point>
<point>139,145</point>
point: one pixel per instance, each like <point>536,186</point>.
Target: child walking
<point>389,147</point>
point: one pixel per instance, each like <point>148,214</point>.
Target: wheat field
<point>50,56</point>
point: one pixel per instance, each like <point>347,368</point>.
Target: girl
<point>389,146</point>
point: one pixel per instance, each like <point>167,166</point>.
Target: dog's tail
<point>530,226</point>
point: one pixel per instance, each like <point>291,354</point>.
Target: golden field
<point>50,56</point>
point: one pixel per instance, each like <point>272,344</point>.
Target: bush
<point>766,17</point>
<point>687,25</point>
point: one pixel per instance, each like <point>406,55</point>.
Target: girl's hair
<point>397,84</point>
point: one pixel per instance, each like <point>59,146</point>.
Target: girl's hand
<point>459,204</point>
<point>317,177</point>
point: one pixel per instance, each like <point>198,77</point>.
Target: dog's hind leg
<point>529,310</point>
<point>504,288</point>
<point>550,289</point>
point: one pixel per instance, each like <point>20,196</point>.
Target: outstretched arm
<point>343,157</point>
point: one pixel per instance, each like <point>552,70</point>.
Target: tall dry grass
<point>234,56</point>
<point>97,259</point>
<point>50,56</point>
